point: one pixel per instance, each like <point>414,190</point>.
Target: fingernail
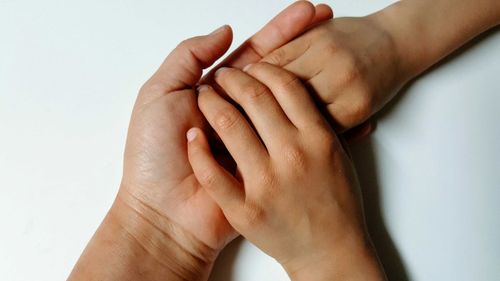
<point>191,134</point>
<point>220,70</point>
<point>202,88</point>
<point>247,67</point>
<point>218,29</point>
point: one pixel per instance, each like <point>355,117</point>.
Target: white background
<point>69,73</point>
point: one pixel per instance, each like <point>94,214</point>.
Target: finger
<point>290,93</point>
<point>285,26</point>
<point>323,13</point>
<point>219,184</point>
<point>184,65</point>
<point>347,103</point>
<point>289,52</point>
<point>299,57</point>
<point>359,132</point>
<point>237,135</point>
<point>288,24</point>
<point>258,103</point>
<point>296,48</point>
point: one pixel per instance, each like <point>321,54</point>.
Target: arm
<point>428,30</point>
<point>127,246</point>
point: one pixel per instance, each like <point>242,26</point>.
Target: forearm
<point>425,31</point>
<point>127,246</point>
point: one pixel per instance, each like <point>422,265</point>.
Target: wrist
<point>161,239</point>
<point>406,38</point>
<point>353,258</point>
<point>130,245</point>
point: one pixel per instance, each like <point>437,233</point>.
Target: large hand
<point>163,226</point>
<point>158,182</point>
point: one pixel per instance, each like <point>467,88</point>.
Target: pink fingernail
<point>202,88</point>
<point>247,67</point>
<point>191,134</point>
<point>220,70</point>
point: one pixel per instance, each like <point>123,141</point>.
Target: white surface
<point>69,73</point>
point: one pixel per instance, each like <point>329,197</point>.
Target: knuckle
<point>294,156</point>
<point>331,49</point>
<point>265,178</point>
<point>207,177</point>
<point>277,57</point>
<point>284,80</point>
<point>254,215</point>
<point>351,71</point>
<point>226,119</point>
<point>290,83</point>
<point>361,106</point>
<point>254,91</point>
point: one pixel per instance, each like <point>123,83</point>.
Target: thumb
<point>184,66</point>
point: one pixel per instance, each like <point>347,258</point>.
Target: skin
<point>296,194</point>
<point>163,225</point>
<point>151,232</point>
<point>355,65</point>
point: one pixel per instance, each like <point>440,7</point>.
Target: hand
<point>295,195</point>
<point>351,64</point>
<point>291,22</point>
<point>162,224</point>
<point>157,174</point>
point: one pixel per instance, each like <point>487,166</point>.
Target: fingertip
<point>324,11</point>
<point>223,33</point>
<point>207,49</point>
<point>197,146</point>
<point>303,9</point>
<point>303,4</point>
<point>191,134</point>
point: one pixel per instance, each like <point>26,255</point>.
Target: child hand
<point>295,195</point>
<point>352,64</point>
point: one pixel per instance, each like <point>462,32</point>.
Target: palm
<point>157,166</point>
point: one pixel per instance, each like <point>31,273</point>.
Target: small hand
<point>295,195</point>
<point>351,64</point>
<point>287,25</point>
